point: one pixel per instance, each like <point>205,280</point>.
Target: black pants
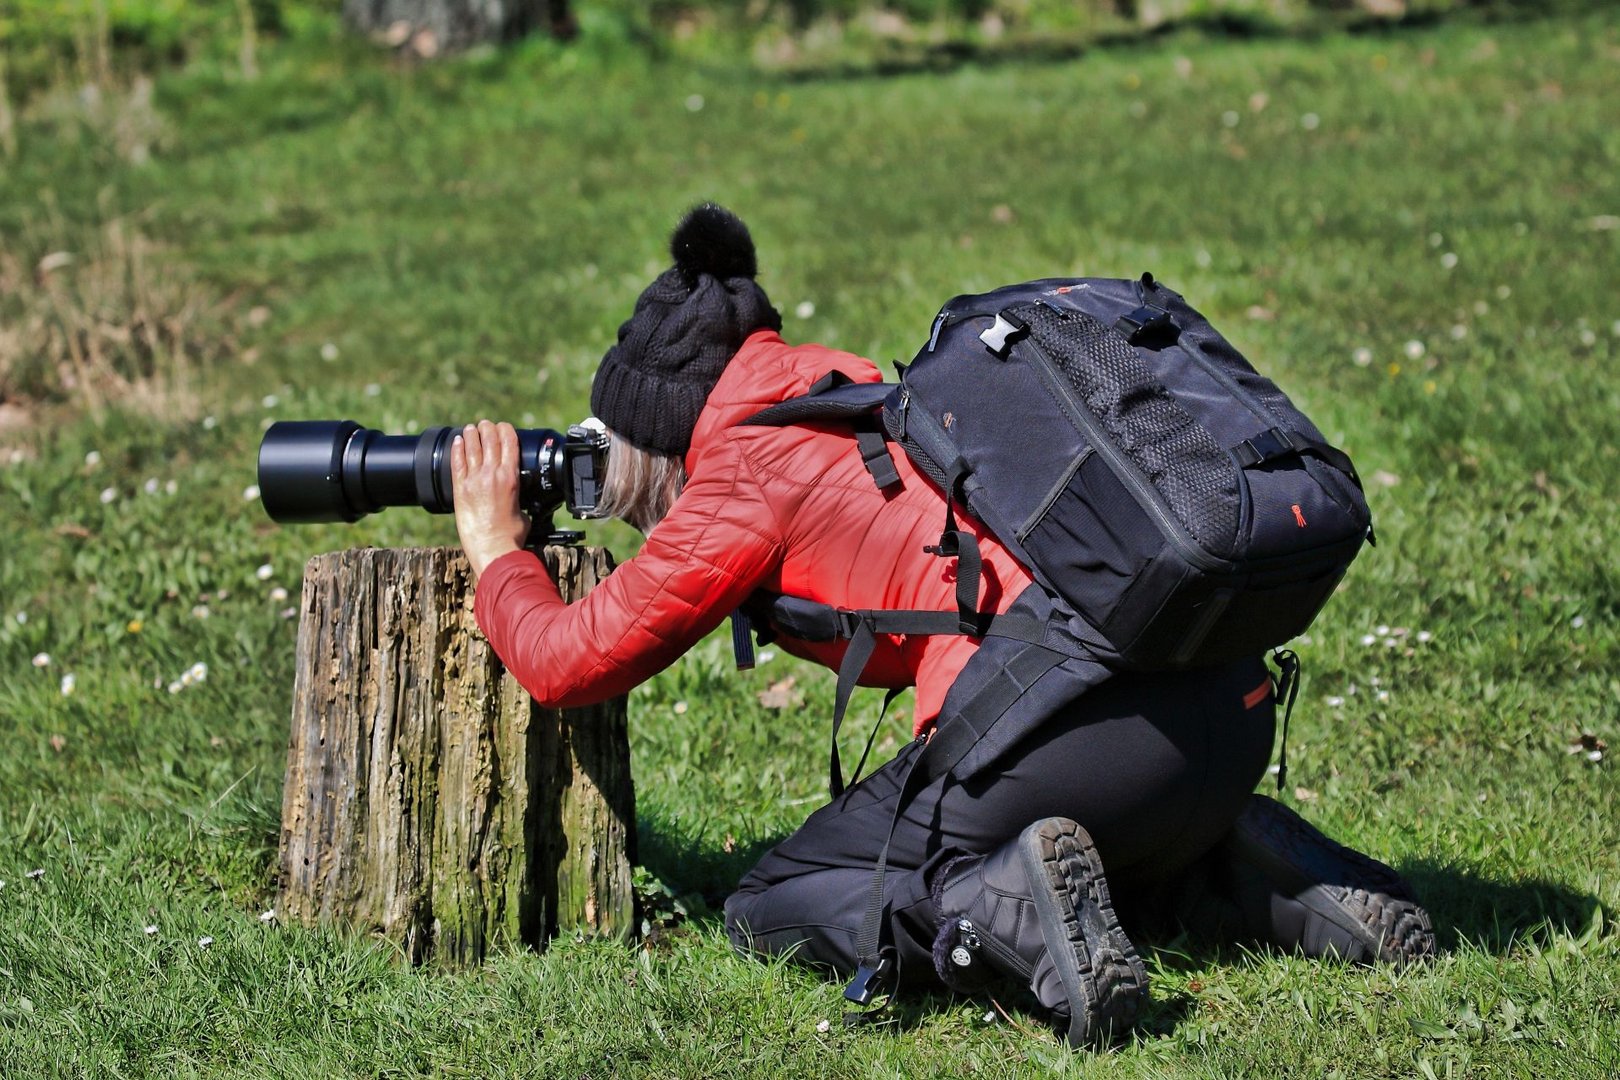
<point>1155,767</point>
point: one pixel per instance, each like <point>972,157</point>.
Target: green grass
<point>467,238</point>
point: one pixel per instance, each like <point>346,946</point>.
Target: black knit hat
<point>686,327</point>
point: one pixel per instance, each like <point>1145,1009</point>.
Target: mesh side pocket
<point>1196,478</point>
<point>919,457</point>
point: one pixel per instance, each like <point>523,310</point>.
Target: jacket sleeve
<point>719,541</point>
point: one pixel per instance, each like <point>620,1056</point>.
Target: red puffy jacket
<point>788,509</point>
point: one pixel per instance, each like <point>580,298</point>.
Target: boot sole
<point>1096,962</point>
<point>1352,892</point>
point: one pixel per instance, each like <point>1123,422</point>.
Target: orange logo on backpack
<point>1299,515</point>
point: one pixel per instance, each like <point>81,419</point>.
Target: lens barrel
<point>334,470</point>
<point>301,470</point>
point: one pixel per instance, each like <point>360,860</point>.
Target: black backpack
<point>1126,454</point>
<point>1161,491</point>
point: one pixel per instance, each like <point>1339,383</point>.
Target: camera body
<point>336,470</point>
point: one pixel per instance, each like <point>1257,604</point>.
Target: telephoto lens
<point>336,470</point>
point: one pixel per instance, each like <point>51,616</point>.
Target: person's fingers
<point>474,447</point>
<point>509,445</point>
<point>492,444</point>
<point>458,460</point>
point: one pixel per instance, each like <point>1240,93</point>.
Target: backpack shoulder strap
<point>836,397</point>
<point>833,397</point>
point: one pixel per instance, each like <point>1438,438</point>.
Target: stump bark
<point>428,798</point>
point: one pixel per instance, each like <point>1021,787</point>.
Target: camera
<point>336,470</point>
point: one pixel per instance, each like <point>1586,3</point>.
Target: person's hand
<point>484,483</point>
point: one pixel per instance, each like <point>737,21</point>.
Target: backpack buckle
<point>868,982</point>
<point>1269,444</point>
<point>1000,337</point>
<point>1147,322</point>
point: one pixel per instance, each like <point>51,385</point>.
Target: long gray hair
<point>641,485</point>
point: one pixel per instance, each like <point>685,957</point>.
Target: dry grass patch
<point>112,320</point>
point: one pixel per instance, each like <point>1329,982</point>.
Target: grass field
<point>1416,232</point>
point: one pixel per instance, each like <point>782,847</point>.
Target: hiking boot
<point>1298,890</point>
<point>1037,911</point>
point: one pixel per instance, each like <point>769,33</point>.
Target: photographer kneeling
<point>996,868</point>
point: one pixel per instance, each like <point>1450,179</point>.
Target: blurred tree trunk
<point>429,27</point>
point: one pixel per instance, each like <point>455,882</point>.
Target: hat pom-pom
<point>712,240</point>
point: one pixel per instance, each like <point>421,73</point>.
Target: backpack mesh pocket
<point>1196,478</point>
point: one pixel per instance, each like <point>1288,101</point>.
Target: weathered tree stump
<point>428,797</point>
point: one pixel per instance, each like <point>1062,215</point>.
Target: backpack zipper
<point>1255,406</point>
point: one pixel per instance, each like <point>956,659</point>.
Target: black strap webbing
<point>956,542</point>
<point>1287,690</point>
<point>742,639</point>
<point>866,625</point>
<point>1278,442</point>
<point>875,454</point>
<point>839,400</point>
<point>871,736</point>
<point>855,660</point>
<point>835,396</point>
<point>948,745</point>
<point>811,620</point>
<point>968,570</point>
<point>984,624</point>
